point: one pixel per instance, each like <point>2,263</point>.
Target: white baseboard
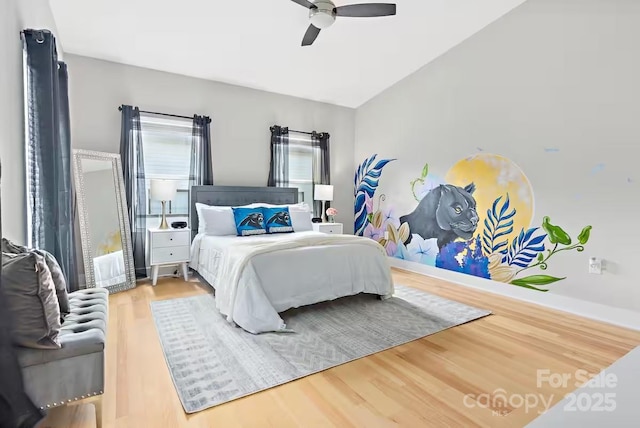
<point>596,311</point>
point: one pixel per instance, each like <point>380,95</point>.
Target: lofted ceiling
<point>256,43</point>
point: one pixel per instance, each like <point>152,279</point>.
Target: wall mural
<point>476,220</point>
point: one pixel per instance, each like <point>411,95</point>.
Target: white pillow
<point>219,221</point>
<point>300,214</point>
<point>216,221</point>
<point>300,206</point>
<point>300,220</point>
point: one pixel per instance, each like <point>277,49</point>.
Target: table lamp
<point>323,192</point>
<point>163,191</point>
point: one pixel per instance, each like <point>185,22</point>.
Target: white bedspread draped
<point>257,277</point>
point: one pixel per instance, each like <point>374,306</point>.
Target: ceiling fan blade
<point>310,36</point>
<point>366,10</point>
<point>305,3</point>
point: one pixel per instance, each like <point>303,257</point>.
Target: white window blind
<point>301,166</point>
<point>167,155</point>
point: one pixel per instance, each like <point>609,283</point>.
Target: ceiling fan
<point>323,13</point>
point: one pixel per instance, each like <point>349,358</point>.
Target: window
<point>301,166</point>
<point>300,160</point>
<point>166,144</point>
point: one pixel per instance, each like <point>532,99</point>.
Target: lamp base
<point>324,212</point>
<point>163,222</point>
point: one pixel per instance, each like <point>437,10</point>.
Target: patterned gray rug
<point>212,362</point>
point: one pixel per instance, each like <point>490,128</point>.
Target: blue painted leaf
<point>485,242</point>
<point>525,248</point>
<point>499,246</point>
<point>365,184</point>
<point>505,225</point>
<point>502,233</point>
<point>490,218</point>
<point>497,224</point>
<point>537,240</point>
<point>519,264</point>
<point>505,206</point>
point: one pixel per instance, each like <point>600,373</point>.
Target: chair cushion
<point>31,300</point>
<point>83,331</point>
<point>56,272</point>
<point>59,280</point>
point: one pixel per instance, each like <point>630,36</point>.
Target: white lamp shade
<point>323,192</point>
<point>163,190</point>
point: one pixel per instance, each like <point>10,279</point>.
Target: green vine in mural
<point>557,236</point>
<point>423,176</point>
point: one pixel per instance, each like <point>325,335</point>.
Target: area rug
<point>212,362</point>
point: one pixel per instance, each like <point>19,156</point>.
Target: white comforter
<point>257,277</point>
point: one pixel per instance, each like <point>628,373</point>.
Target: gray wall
<point>14,17</point>
<point>241,119</point>
<point>555,86</point>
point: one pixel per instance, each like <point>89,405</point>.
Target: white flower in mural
<point>423,250</point>
<point>389,217</point>
<point>429,183</point>
<point>373,233</point>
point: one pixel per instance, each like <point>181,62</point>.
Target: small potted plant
<point>331,212</point>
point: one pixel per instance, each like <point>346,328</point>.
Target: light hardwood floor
<point>419,384</point>
<point>74,416</point>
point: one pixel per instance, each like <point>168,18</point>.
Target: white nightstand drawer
<point>171,239</point>
<point>170,255</point>
<point>331,228</point>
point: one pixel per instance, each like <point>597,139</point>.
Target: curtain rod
<point>304,132</point>
<point>301,132</point>
<point>167,114</point>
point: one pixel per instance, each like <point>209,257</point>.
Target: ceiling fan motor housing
<point>323,15</point>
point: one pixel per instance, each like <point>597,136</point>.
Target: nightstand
<point>331,228</point>
<point>169,247</point>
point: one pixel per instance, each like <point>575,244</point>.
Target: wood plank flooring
<point>419,384</point>
<point>81,415</point>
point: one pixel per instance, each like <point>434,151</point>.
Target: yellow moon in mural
<point>496,176</point>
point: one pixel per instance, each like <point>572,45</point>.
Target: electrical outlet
<point>595,266</point>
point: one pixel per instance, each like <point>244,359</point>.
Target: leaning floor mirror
<point>104,223</point>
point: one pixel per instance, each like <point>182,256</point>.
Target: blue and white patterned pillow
<point>277,219</point>
<point>249,221</point>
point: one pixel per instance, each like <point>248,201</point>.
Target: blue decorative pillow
<point>277,219</point>
<point>249,221</point>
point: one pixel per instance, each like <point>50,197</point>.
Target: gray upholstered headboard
<point>233,196</point>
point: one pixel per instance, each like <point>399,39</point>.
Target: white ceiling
<point>256,43</point>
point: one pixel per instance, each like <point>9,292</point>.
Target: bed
<point>257,277</point>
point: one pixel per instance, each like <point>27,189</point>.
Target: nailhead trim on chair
<point>93,394</point>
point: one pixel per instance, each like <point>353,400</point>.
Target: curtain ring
<point>39,37</point>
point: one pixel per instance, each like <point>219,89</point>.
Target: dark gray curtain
<point>132,156</point>
<point>201,169</point>
<point>279,165</point>
<point>49,193</point>
<point>321,166</point>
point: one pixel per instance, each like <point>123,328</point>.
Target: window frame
<point>153,120</point>
<point>301,143</point>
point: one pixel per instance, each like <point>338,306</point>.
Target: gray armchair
<point>54,377</point>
